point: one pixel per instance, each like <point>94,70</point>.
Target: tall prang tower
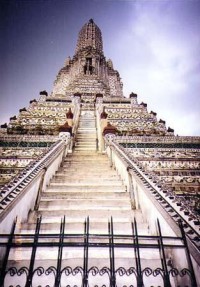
<point>88,72</point>
<point>95,190</point>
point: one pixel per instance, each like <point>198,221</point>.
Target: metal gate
<point>87,275</point>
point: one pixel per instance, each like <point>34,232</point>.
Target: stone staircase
<point>85,186</point>
<point>86,134</point>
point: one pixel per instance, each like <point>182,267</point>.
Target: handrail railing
<point>164,197</point>
<point>11,191</point>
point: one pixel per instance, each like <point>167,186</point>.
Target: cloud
<point>162,66</point>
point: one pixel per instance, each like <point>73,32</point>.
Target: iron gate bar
<point>60,250</point>
<point>137,255</point>
<point>112,254</point>
<point>90,244</point>
<point>54,235</point>
<point>86,244</point>
<point>163,258</point>
<point>34,248</point>
<point>85,258</point>
<point>6,256</point>
<point>192,277</point>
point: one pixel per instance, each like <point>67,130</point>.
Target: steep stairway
<point>86,186</point>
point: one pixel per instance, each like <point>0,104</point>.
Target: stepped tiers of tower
<point>95,190</point>
<point>88,71</point>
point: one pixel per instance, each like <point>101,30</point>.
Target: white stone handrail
<point>28,181</point>
<point>33,166</point>
<point>153,184</point>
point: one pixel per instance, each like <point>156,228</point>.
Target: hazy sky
<point>155,46</point>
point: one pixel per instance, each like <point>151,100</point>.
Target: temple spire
<point>90,36</point>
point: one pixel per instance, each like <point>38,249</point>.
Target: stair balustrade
<point>150,197</point>
<point>22,191</point>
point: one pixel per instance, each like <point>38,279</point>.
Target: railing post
<point>137,255</point>
<point>60,251</point>
<point>166,278</point>
<point>112,254</point>
<point>5,260</point>
<point>33,254</point>
<point>85,259</point>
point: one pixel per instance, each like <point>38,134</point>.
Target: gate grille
<point>87,275</point>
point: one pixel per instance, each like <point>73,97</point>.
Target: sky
<point>154,44</point>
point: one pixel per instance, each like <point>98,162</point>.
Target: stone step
<point>87,181</point>
<point>85,144</point>
<point>75,172</point>
<point>86,139</point>
<point>83,213</point>
<point>88,118</point>
<point>76,254</point>
<point>53,218</point>
<point>86,135</point>
<point>65,188</point>
<point>84,195</point>
<point>92,156</point>
<point>85,153</point>
<point>86,130</point>
<point>82,140</point>
<point>85,158</point>
<point>85,149</point>
<point>96,174</point>
<point>89,121</point>
<point>85,204</point>
<point>87,125</point>
<point>88,169</point>
<point>78,227</point>
<point>84,178</point>
<point>87,185</point>
<point>80,164</point>
<point>82,209</point>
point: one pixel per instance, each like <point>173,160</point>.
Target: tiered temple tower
<point>95,190</point>
<point>88,72</point>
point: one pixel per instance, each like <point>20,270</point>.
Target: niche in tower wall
<point>88,68</point>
